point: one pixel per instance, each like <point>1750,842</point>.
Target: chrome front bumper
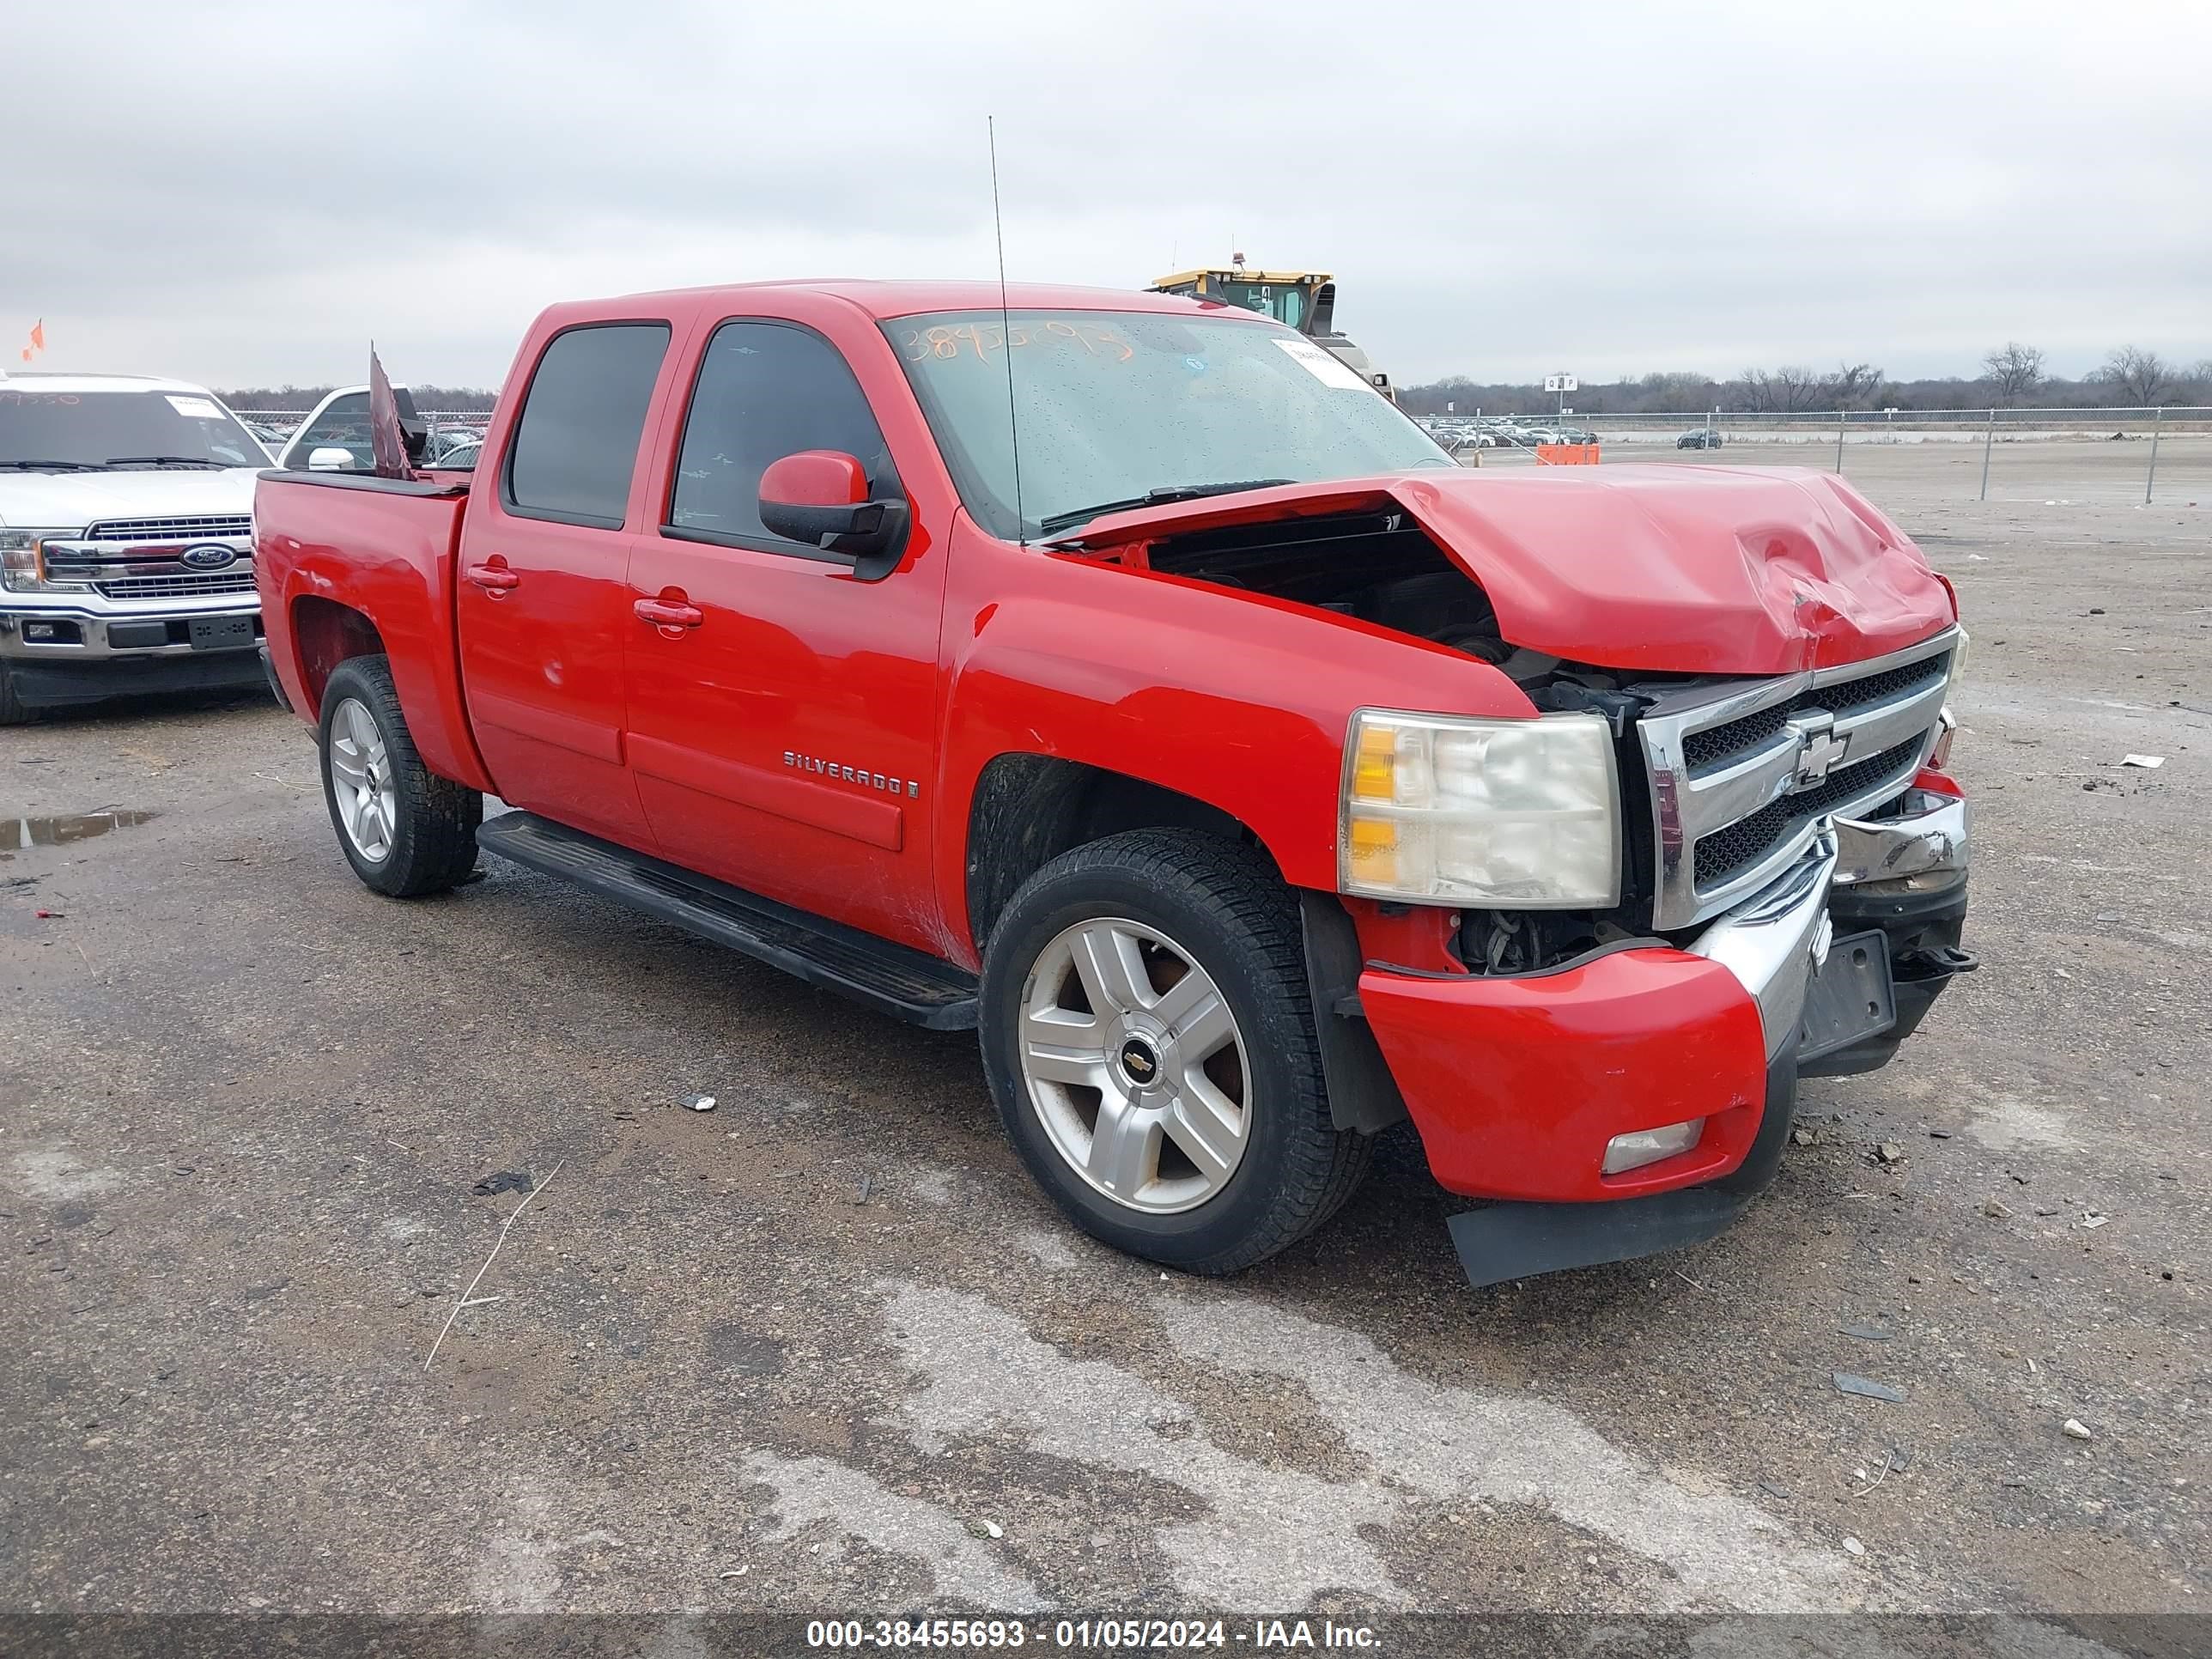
<point>1774,942</point>
<point>1928,835</point>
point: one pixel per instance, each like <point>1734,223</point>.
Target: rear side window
<point>343,424</point>
<point>575,446</point>
<point>765,391</point>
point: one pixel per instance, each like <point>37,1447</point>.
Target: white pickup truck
<point>127,541</point>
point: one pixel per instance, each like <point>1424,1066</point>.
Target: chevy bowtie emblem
<point>1818,747</point>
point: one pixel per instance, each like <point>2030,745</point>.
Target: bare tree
<point>1672,394</point>
<point>1852,385</point>
<point>2014,370</point>
<point>2136,376</point>
<point>1790,388</point>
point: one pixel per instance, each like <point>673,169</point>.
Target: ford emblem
<point>209,555</point>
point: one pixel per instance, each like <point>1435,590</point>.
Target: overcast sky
<point>243,194</point>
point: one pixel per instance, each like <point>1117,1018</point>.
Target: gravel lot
<point>825,1348</point>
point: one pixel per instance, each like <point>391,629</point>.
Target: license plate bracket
<point>221,633</point>
<point>1851,996</point>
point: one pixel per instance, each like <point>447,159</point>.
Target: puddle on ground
<point>16,833</point>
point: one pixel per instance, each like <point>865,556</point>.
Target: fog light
<point>1641,1147</point>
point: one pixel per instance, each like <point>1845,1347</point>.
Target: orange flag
<point>38,335</point>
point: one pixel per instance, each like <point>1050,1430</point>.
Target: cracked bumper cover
<point>1517,1083</point>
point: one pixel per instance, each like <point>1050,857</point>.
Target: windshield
<point>1115,405</point>
<point>99,428</point>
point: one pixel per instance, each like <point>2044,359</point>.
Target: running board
<point>891,979</point>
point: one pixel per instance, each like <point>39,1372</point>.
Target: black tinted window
<point>576,444</point>
<point>765,391</point>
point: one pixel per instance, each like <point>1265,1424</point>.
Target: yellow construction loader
<point>1304,300</point>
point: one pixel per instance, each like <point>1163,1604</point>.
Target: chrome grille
<point>1708,748</point>
<point>1742,772</point>
<point>206,528</point>
<point>189,585</point>
<point>1747,841</point>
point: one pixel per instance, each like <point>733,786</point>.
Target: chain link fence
<point>285,422</point>
<point>2149,455</point>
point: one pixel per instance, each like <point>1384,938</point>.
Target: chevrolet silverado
<point>1119,676</point>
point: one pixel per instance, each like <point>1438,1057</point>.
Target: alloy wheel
<point>1133,1063</point>
<point>360,781</point>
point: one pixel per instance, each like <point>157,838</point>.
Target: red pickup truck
<point>1119,676</point>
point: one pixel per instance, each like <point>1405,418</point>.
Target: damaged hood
<point>1671,569</point>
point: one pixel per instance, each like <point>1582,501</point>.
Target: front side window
<point>575,446</point>
<point>1285,301</point>
<point>122,431</point>
<point>766,391</point>
<point>1117,405</point>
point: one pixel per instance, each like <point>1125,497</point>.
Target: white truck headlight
<point>1509,814</point>
<point>23,567</point>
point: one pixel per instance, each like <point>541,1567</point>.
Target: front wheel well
<point>325,633</point>
<point>1028,810</point>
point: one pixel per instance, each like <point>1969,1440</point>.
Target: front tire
<point>406,830</point>
<point>1148,1036</point>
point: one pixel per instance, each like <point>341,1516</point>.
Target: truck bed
<point>333,548</point>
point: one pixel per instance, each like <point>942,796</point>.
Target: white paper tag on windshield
<point>1322,365</point>
<point>199,409</point>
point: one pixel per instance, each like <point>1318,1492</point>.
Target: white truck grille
<point>205,527</point>
<point>190,585</point>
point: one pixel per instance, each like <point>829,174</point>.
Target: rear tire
<point>1188,1121</point>
<point>406,830</point>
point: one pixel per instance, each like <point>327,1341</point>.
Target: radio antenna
<point>1007,330</point>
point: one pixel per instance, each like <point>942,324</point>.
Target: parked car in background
<point>1251,777</point>
<point>1700,437</point>
<point>335,436</point>
<point>126,540</point>
<point>454,448</point>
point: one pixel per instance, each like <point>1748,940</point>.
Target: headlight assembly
<point>1506,814</point>
<point>23,565</point>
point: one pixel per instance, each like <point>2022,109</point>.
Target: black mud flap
<point>275,685</point>
<point>1519,1240</point>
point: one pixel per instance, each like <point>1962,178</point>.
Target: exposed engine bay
<point>1380,567</point>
